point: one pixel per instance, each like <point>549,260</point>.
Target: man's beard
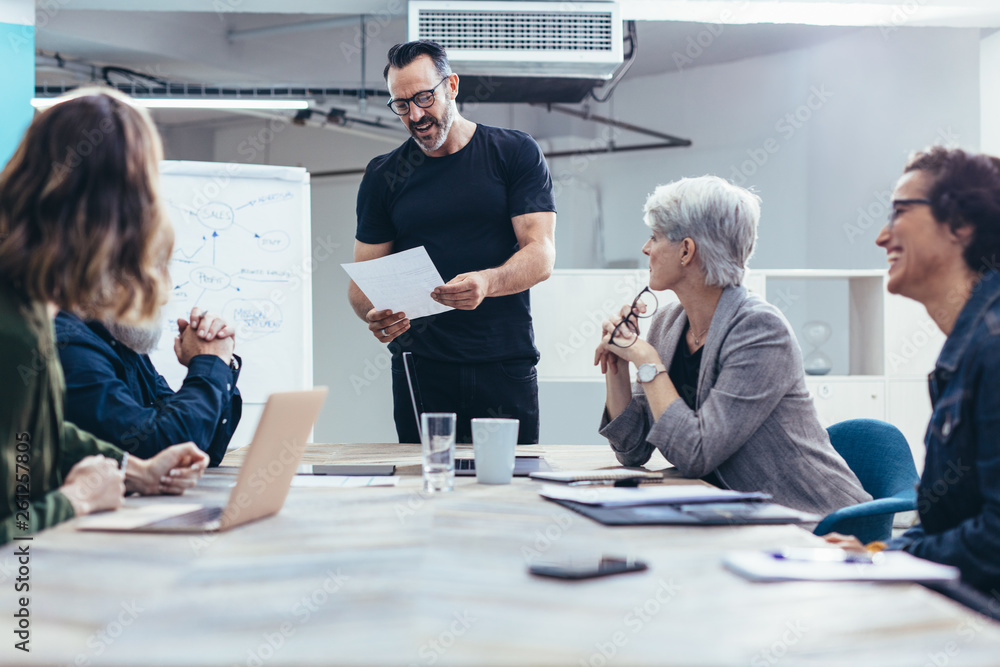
<point>139,339</point>
<point>443,125</point>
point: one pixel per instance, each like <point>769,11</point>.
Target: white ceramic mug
<point>493,443</point>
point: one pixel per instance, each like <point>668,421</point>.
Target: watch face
<point>646,372</point>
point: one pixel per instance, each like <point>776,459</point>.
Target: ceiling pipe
<point>90,72</point>
<point>670,139</point>
<point>551,155</point>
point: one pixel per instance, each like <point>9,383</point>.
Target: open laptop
<point>465,467</point>
<point>262,484</point>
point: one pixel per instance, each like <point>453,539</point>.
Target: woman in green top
<point>82,229</point>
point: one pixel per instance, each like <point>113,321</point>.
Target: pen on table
<point>829,555</point>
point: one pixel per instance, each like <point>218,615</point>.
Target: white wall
<point>989,81</point>
<point>820,177</point>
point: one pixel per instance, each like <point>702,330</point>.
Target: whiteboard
<point>242,249</point>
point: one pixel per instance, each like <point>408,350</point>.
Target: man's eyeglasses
<point>644,306</point>
<point>423,99</point>
<point>895,211</point>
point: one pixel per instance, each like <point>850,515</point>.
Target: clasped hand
<point>204,333</point>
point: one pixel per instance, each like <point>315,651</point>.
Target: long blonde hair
<point>81,221</point>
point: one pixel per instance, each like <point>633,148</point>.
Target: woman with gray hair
<point>721,391</point>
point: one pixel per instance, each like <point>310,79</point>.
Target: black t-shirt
<point>459,207</point>
<point>684,370</point>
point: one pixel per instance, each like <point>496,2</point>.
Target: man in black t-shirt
<point>479,199</point>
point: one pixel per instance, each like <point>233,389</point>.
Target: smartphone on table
<point>587,568</point>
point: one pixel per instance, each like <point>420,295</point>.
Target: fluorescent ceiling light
<point>194,103</point>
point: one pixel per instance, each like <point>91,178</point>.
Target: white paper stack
<point>887,566</point>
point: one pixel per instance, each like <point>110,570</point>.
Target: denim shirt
<point>117,394</point>
<point>959,494</point>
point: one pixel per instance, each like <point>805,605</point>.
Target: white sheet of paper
<point>342,481</point>
<point>401,282</point>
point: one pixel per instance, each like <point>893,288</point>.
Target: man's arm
<point>527,267</point>
<point>385,325</point>
<point>362,253</point>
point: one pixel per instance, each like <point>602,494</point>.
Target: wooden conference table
<point>389,576</point>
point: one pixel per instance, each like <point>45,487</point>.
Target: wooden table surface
<point>391,576</point>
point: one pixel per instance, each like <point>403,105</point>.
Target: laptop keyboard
<point>465,464</point>
<point>196,518</point>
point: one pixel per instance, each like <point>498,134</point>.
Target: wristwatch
<point>648,372</point>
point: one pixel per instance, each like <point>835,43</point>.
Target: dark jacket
<point>754,424</point>
<point>37,447</point>
<point>117,394</point>
<point>959,494</point>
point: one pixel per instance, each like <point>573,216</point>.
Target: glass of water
<point>438,435</point>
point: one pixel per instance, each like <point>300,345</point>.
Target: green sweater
<point>31,412</point>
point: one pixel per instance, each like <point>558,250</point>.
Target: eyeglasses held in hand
<point>644,306</point>
<point>424,99</point>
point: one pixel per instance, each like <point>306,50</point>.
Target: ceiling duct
<point>523,51</point>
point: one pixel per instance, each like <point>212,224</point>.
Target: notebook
<point>704,514</point>
<point>262,484</point>
<point>656,495</point>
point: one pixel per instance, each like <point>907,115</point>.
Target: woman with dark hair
<point>721,391</point>
<point>943,247</point>
<point>81,228</point>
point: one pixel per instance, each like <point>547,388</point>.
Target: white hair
<point>720,217</point>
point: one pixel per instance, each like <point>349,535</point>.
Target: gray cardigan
<point>754,423</point>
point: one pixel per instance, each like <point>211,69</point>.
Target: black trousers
<point>502,389</point>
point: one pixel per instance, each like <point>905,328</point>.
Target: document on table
<point>342,481</point>
<point>886,566</point>
<point>401,282</point>
<point>650,495</point>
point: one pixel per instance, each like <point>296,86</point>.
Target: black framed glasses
<point>895,212</point>
<point>423,99</point>
<point>644,306</point>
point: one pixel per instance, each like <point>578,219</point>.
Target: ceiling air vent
<point>523,39</point>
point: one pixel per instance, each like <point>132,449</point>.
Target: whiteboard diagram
<point>242,249</point>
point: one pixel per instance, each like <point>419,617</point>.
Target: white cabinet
<point>883,346</point>
<point>840,398</point>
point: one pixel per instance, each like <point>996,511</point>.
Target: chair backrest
<point>878,454</point>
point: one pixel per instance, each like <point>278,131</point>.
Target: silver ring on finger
<point>384,333</point>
